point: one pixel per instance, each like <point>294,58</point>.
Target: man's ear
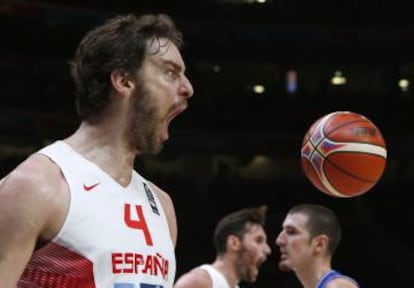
<point>121,82</point>
<point>233,243</point>
<point>321,243</point>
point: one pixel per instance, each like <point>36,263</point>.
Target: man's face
<point>161,93</point>
<point>294,242</point>
<point>253,252</point>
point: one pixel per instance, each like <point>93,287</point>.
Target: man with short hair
<point>309,238</point>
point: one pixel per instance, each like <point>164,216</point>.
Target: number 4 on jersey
<point>138,222</point>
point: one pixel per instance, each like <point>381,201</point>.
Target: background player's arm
<point>196,278</point>
<point>169,210</point>
<point>25,206</point>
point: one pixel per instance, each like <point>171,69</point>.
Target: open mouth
<point>176,112</point>
<point>260,262</point>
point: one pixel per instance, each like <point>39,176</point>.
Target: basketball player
<point>76,214</point>
<point>241,248</point>
<point>310,235</point>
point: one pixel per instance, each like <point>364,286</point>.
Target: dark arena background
<point>262,73</point>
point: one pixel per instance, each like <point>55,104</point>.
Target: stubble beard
<point>243,266</point>
<point>142,126</point>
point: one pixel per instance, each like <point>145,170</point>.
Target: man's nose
<point>186,88</point>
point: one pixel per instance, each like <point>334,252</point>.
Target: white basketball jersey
<point>218,279</point>
<point>112,237</point>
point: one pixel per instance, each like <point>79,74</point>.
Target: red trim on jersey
<point>55,266</point>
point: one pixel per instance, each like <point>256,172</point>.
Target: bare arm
<point>196,278</point>
<point>169,210</point>
<point>26,204</point>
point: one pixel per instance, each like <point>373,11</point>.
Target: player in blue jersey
<point>308,240</point>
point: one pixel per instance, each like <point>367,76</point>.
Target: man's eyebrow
<point>289,226</point>
<point>176,66</point>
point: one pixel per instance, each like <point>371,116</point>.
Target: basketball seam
<point>345,172</point>
<point>356,152</point>
<point>325,136</point>
<point>340,126</point>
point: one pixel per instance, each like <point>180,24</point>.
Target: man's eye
<point>290,231</point>
<point>172,74</point>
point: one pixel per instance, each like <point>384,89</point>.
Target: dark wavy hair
<point>121,43</point>
<point>237,224</point>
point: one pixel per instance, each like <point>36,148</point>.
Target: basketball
<point>343,154</point>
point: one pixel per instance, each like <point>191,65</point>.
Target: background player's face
<point>253,252</point>
<point>294,242</point>
<point>161,93</point>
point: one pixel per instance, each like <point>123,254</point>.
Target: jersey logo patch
<point>88,188</point>
<point>151,199</point>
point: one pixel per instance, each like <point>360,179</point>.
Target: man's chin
<point>284,267</point>
<point>155,146</point>
<point>157,149</point>
<point>250,279</point>
<point>151,149</point>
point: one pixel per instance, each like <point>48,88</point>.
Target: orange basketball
<point>343,154</point>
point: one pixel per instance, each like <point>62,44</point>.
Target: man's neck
<point>111,155</point>
<point>226,267</point>
<point>312,274</point>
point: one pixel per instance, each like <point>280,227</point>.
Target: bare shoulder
<point>32,188</point>
<point>168,207</point>
<point>342,282</point>
<point>196,278</point>
<point>37,174</point>
<point>32,207</point>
